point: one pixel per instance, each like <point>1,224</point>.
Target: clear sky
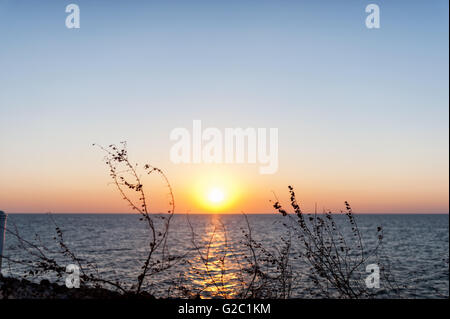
<point>362,113</point>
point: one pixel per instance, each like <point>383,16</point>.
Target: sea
<point>210,252</point>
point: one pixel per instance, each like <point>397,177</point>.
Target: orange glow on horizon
<point>87,188</point>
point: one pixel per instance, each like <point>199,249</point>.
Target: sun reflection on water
<point>217,269</point>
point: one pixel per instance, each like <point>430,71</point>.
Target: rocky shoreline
<point>13,288</point>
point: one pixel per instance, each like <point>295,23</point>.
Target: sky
<point>362,114</point>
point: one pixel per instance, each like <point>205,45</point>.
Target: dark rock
<point>45,282</point>
<point>24,289</point>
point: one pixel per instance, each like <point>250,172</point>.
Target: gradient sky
<point>362,114</point>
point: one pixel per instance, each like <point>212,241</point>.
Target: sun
<point>216,196</point>
<point>215,192</point>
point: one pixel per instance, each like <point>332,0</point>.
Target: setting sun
<point>216,196</point>
<point>215,191</point>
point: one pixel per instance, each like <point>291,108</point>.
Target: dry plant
<point>338,259</point>
<point>126,177</point>
<point>42,260</point>
<point>270,269</point>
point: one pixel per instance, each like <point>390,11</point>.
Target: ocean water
<point>417,247</point>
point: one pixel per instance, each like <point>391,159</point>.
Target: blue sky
<point>137,69</point>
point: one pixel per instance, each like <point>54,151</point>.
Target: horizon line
<point>213,213</point>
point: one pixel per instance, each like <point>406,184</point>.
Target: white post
<point>2,235</point>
